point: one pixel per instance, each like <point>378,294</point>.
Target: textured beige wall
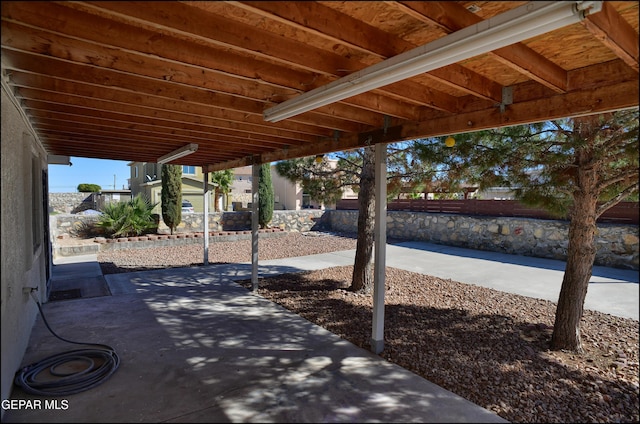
<point>22,265</point>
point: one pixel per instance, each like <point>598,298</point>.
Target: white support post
<point>254,225</point>
<point>380,248</point>
<point>205,218</point>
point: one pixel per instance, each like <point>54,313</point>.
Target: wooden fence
<point>622,213</point>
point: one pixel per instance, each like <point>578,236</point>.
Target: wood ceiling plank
<point>602,74</point>
<point>31,40</point>
<point>160,146</point>
<point>56,92</point>
<point>214,146</point>
<point>83,135</point>
<point>326,23</point>
<point>468,81</point>
<point>234,35</point>
<point>148,89</point>
<point>62,93</point>
<point>341,27</point>
<point>121,35</point>
<point>78,106</point>
<point>182,62</point>
<point>614,32</point>
<point>453,17</point>
<point>36,111</point>
<point>61,121</point>
<point>78,147</point>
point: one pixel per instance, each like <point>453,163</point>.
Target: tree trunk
<point>581,255</point>
<point>362,280</point>
<point>216,199</point>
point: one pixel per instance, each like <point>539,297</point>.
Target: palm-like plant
<point>126,219</point>
<point>222,181</point>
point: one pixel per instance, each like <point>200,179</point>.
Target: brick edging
<point>160,240</point>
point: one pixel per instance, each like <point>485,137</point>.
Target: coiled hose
<point>100,362</point>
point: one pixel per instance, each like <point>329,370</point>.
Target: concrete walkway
<point>611,290</point>
<point>195,347</point>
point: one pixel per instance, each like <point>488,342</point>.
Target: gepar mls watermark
<point>59,404</point>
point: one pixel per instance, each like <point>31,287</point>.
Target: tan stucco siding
<point>23,251</point>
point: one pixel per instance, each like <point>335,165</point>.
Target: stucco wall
<point>22,264</point>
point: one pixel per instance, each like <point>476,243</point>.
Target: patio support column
<point>380,248</point>
<point>205,218</point>
<point>254,225</point>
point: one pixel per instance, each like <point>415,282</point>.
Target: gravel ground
<point>487,346</point>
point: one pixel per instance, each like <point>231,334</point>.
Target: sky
<point>65,178</point>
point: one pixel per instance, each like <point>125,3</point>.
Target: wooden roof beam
<point>342,28</point>
<point>615,33</point>
<point>36,111</point>
<point>591,100</point>
<point>182,97</point>
<point>452,17</point>
<point>242,38</point>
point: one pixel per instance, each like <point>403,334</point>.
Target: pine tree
<point>356,169</point>
<point>574,168</point>
<point>266,196</point>
<point>171,196</point>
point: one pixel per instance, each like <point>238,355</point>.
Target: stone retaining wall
<point>77,225</point>
<point>298,221</point>
<point>617,245</point>
<point>71,202</point>
<point>101,244</point>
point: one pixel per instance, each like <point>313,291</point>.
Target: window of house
<point>188,170</point>
<point>36,195</point>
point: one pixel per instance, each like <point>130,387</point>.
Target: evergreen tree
<point>265,195</point>
<point>171,195</point>
<point>356,169</point>
<point>575,168</point>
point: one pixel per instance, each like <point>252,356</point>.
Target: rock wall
<point>71,202</point>
<point>77,225</point>
<point>617,245</point>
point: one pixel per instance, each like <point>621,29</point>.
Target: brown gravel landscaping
<point>487,346</point>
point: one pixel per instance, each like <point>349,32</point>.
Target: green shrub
<point>89,188</point>
<point>127,219</point>
<point>87,230</point>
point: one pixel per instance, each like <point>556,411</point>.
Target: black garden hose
<point>67,383</point>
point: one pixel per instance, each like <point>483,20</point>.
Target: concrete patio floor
<point>196,347</point>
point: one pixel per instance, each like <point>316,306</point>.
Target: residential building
<point>146,179</point>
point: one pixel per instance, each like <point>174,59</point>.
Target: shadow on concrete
<point>529,261</point>
<point>196,347</point>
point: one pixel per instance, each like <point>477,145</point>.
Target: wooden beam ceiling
<point>135,80</point>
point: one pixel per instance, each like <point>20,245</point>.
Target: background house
<point>146,179</point>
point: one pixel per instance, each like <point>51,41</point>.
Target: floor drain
<point>65,294</point>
